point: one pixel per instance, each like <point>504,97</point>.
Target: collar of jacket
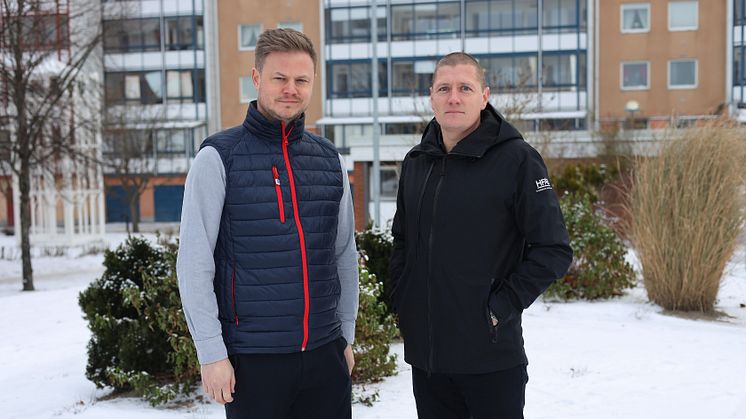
<point>492,130</point>
<point>261,127</point>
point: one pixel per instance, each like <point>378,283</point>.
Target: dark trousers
<point>495,395</point>
<point>310,384</point>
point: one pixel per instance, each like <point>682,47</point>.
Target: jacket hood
<point>492,130</point>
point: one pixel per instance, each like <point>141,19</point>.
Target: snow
<point>623,358</point>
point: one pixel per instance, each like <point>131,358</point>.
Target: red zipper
<point>233,291</point>
<point>306,296</point>
<point>280,205</point>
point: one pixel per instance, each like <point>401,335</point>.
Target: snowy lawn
<point>614,359</point>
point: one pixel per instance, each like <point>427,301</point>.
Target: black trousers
<point>311,384</point>
<point>495,395</point>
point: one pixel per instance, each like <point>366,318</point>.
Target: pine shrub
<point>598,269</point>
<point>375,246</point>
<point>583,179</point>
<point>374,331</point>
<point>140,340</point>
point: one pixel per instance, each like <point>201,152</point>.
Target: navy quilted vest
<point>275,268</point>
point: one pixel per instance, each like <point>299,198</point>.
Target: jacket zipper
<point>296,215</point>
<point>431,350</point>
<point>233,292</point>
<point>280,205</point>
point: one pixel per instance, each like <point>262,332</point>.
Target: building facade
<point>662,63</point>
<point>240,23</point>
<point>43,46</point>
<point>736,78</point>
<point>535,52</point>
<point>156,103</point>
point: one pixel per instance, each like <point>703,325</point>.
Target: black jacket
<point>475,228</point>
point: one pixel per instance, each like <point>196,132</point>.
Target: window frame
<point>240,32</point>
<point>684,28</point>
<point>621,75</point>
<point>683,86</point>
<point>628,6</point>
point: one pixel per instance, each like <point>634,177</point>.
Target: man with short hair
<point>267,264</point>
<point>478,236</point>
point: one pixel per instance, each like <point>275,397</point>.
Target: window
<point>426,20</point>
<point>298,26</point>
<point>526,14</point>
<point>5,146</point>
<point>132,35</point>
<point>682,74</point>
<point>389,178</point>
<point>635,18</point>
<point>635,75</point>
<point>184,32</point>
<point>682,16</point>
<point>146,87</point>
<point>738,16</point>
<point>558,70</point>
<point>352,24</point>
<point>142,87</point>
<point>247,36</point>
<point>560,13</point>
<point>411,78</point>
<point>510,71</point>
<point>516,16</point>
<point>40,31</point>
<point>739,66</point>
<point>402,129</point>
<point>173,141</point>
<point>248,91</point>
<point>179,84</point>
<point>349,79</point>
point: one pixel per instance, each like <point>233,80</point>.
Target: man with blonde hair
<point>478,236</point>
<point>267,263</point>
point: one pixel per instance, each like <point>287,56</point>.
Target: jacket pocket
<point>233,293</point>
<point>278,191</point>
<point>488,313</point>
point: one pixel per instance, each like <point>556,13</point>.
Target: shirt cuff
<point>348,332</point>
<point>211,350</point>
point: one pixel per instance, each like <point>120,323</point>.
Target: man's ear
<point>431,99</point>
<point>485,97</point>
<point>255,76</point>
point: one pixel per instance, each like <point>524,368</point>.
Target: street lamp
<point>631,107</point>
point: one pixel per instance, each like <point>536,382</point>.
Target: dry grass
<point>687,207</point>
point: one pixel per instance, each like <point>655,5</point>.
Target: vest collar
<point>261,127</point>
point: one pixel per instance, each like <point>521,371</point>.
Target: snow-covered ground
<point>613,359</point>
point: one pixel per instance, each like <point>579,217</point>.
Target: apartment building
<point>736,77</point>
<point>662,63</point>
<point>536,53</point>
<point>42,50</point>
<point>239,23</point>
<point>156,103</point>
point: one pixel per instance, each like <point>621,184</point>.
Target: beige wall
<point>235,64</point>
<point>707,44</point>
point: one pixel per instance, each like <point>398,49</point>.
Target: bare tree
<point>46,47</point>
<point>130,153</point>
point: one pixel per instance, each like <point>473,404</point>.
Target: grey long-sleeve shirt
<point>204,195</point>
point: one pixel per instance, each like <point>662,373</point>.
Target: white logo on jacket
<point>543,185</point>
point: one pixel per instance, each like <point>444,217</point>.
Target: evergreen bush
<point>139,340</point>
<point>599,269</point>
<point>375,329</point>
<point>375,247</point>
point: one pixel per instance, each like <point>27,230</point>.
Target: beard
<point>270,113</point>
